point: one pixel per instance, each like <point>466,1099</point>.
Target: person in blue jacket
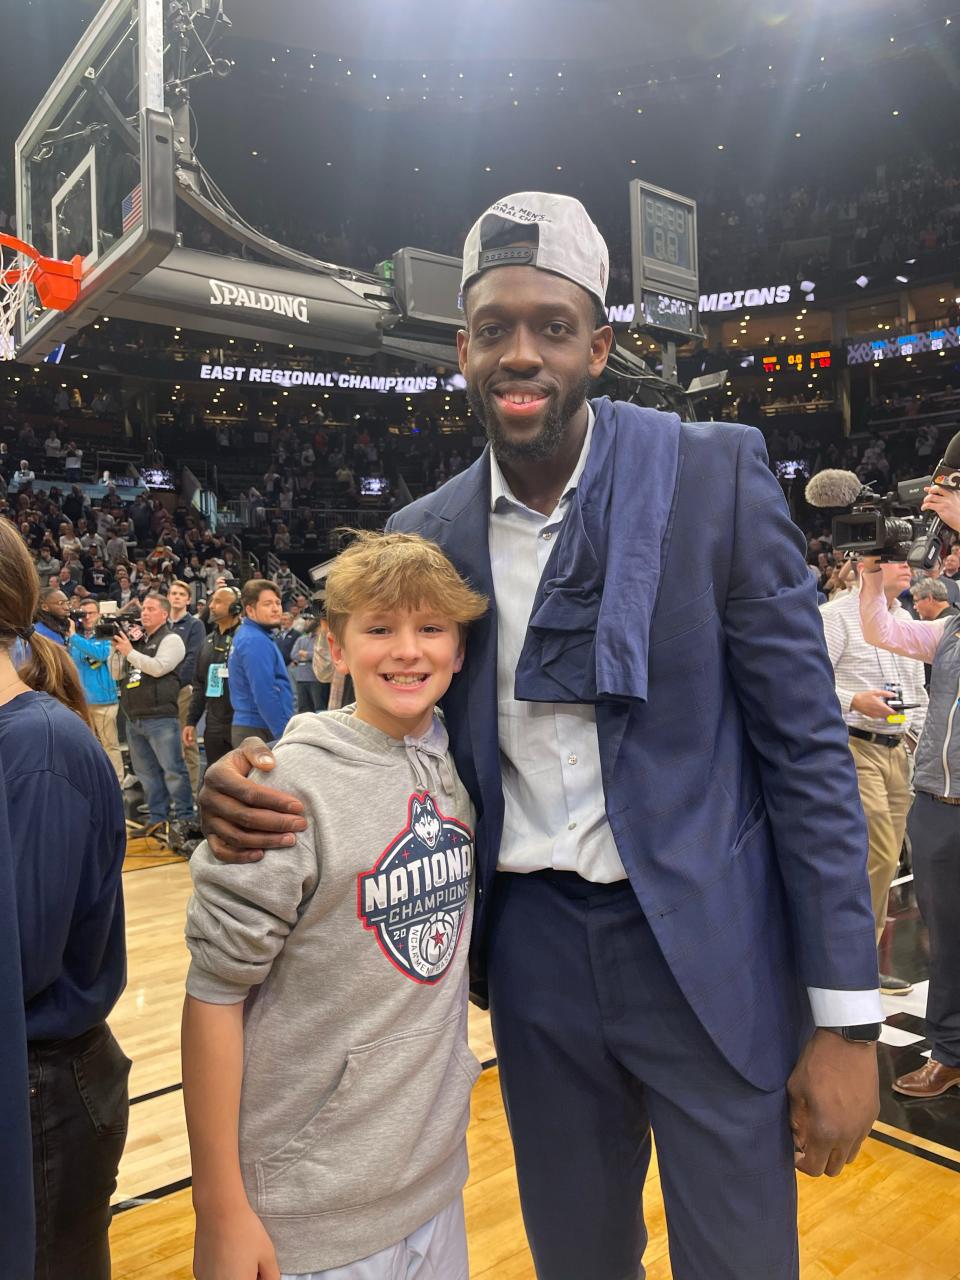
<point>259,684</point>
<point>62,840</point>
<point>92,654</point>
<point>53,615</point>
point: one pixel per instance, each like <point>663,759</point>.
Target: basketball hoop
<point>57,284</point>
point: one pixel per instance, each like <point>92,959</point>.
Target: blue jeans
<point>157,759</point>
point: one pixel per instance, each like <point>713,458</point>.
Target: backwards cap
<point>568,243</point>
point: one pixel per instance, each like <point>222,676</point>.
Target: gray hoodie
<point>350,950</point>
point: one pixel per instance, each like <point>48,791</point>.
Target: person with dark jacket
<point>62,839</point>
<point>211,689</point>
<point>148,699</point>
<point>259,685</point>
<point>192,632</point>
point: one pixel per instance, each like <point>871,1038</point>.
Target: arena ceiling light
<point>862,281</point>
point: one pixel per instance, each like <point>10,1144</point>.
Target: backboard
<point>95,168</point>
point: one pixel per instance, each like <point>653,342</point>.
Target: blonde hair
<point>397,571</point>
<point>49,668</point>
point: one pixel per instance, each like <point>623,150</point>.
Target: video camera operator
<point>933,823</point>
<point>91,647</point>
<point>148,696</point>
<point>211,689</point>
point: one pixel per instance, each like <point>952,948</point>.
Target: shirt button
<point>571,759</point>
<point>546,535</point>
<point>572,826</point>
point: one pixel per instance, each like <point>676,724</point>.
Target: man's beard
<point>546,443</point>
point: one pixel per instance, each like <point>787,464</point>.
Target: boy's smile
<point>402,662</point>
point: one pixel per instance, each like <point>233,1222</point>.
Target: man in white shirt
<point>868,680</point>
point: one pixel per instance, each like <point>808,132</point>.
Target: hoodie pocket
<point>399,1112</point>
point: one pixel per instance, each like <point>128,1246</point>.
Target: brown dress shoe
<point>928,1081</point>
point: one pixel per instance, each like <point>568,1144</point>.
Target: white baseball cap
<point>568,243</point>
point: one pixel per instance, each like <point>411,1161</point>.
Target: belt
<point>945,799</point>
<point>881,739</point>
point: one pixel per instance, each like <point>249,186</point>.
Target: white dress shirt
<point>858,666</point>
<point>554,815</point>
<point>554,808</point>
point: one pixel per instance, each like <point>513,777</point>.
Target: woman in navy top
<point>62,838</point>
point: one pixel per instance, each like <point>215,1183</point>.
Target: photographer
<point>91,649</point>
<point>211,690</point>
<point>148,697</point>
<point>934,820</point>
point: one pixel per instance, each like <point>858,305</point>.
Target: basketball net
<point>57,285</point>
<point>16,270</point>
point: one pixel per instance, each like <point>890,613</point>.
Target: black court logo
<point>415,896</point>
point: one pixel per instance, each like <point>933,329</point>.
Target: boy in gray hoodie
<point>326,1070</point>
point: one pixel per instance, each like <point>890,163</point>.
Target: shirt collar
<point>500,489</point>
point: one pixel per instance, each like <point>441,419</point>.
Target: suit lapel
<point>463,533</point>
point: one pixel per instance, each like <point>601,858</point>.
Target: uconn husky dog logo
<point>415,896</point>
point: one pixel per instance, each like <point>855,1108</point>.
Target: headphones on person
<point>235,609</point>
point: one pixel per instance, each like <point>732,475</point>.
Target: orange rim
<point>57,282</point>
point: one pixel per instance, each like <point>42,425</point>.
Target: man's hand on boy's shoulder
<point>241,819</point>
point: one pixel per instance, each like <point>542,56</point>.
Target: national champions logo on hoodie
<point>415,896</point>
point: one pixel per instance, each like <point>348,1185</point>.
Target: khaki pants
<point>884,781</point>
<point>191,755</point>
<point>104,717</point>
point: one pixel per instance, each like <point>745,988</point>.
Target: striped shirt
<point>858,666</point>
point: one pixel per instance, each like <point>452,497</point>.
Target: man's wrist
<point>866,1034</point>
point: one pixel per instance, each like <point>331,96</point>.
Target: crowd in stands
<point>823,224</point>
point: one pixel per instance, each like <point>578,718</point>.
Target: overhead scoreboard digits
<point>798,361</point>
<point>666,278</point>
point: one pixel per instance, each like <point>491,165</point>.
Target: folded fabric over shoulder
<point>589,632</point>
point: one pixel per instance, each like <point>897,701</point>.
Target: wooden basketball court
<point>894,1215</point>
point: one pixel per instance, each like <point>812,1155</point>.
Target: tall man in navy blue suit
<point>673,917</point>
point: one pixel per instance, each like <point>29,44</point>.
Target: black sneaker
<point>146,830</point>
<point>183,836</point>
<point>894,986</point>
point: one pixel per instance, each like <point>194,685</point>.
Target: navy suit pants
<point>597,1046</point>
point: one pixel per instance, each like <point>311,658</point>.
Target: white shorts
<point>435,1251</point>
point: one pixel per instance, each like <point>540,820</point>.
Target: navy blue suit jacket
<point>731,790</point>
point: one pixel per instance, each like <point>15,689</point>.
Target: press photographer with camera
<point>91,648</point>
<point>933,823</point>
<point>148,696</point>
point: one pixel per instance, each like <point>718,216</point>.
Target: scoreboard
<point>666,285</point>
<point>798,361</point>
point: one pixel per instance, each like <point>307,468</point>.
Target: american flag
<point>131,208</point>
